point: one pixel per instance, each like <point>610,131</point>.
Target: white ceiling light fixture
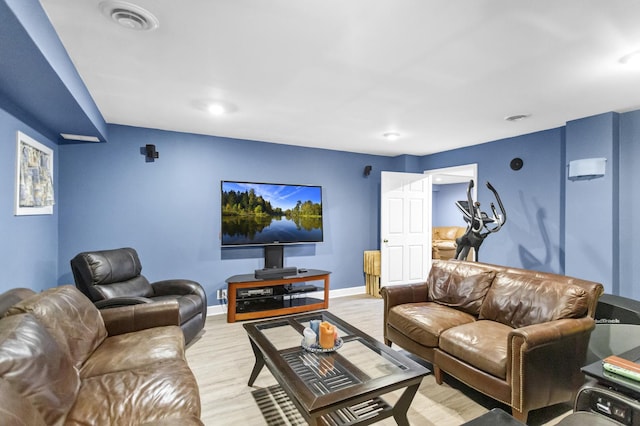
<point>219,108</point>
<point>129,15</point>
<point>216,109</point>
<point>391,136</point>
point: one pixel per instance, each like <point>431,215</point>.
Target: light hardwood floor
<point>221,359</point>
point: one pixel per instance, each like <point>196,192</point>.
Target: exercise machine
<point>479,223</point>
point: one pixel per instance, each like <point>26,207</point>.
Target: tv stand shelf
<point>289,302</point>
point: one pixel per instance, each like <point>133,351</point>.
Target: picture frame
<point>34,177</point>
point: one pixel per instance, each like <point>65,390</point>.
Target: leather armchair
<point>112,278</point>
<point>444,241</point>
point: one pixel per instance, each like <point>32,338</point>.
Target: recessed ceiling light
<point>129,15</point>
<point>216,109</point>
<point>392,136</point>
<point>632,58</point>
<point>517,117</point>
<point>214,106</point>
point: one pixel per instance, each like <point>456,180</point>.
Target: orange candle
<point>327,333</point>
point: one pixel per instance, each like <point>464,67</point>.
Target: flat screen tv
<point>269,213</point>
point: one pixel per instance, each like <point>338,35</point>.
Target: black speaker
<point>516,163</point>
<point>367,170</point>
<point>273,256</point>
<point>151,152</point>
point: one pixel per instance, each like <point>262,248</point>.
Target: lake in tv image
<point>265,213</point>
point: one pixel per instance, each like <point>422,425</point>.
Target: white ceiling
<point>337,74</point>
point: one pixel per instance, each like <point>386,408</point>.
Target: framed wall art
<point>34,177</point>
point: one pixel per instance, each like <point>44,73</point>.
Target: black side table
<point>621,384</point>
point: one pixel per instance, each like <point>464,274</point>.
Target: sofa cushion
<point>461,292</point>
<point>36,367</point>
<point>424,322</point>
<point>141,395</point>
<point>70,317</point>
<point>482,344</point>
<point>133,350</point>
<point>447,232</point>
<point>445,244</point>
<point>518,300</point>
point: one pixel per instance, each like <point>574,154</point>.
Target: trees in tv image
<point>266,213</point>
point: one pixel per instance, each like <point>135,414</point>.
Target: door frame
<point>456,174</point>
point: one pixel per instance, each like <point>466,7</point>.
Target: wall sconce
<point>588,168</point>
<point>151,153</point>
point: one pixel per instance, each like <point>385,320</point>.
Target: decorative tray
<point>317,349</point>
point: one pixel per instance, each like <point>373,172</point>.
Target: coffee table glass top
<point>361,366</point>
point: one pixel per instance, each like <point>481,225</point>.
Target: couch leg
<point>387,342</point>
<point>521,416</point>
<point>437,373</point>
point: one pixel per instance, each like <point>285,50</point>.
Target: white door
<point>405,219</point>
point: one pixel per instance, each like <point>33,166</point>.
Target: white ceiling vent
<point>129,15</point>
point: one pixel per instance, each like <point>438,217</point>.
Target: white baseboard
<point>339,292</point>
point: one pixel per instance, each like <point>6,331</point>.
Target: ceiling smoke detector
<point>517,117</point>
<point>129,15</point>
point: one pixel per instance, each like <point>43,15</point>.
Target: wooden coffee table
<point>336,388</point>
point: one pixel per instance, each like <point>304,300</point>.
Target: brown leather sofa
<point>64,362</point>
<point>443,244</point>
<point>516,335</point>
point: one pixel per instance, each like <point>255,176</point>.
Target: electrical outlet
<point>222,294</point>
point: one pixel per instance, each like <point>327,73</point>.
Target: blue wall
<point>29,247</point>
<point>445,212</point>
<point>591,244</point>
<point>109,196</point>
<point>629,191</point>
<point>532,196</point>
<point>169,210</point>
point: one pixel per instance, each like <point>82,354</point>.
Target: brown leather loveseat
<point>443,241</point>
<point>516,335</point>
<point>64,362</point>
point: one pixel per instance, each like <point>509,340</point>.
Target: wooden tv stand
<point>262,306</point>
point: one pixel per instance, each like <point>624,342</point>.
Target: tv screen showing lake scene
<point>267,213</point>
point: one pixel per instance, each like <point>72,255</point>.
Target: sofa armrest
<point>544,360</point>
<point>121,301</point>
<point>404,293</point>
<point>127,319</point>
<point>176,286</point>
<point>398,295</point>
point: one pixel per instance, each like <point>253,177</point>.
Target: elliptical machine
<point>477,221</point>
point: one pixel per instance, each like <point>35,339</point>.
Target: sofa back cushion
<point>13,296</point>
<point>107,274</point>
<point>460,285</point>
<point>447,232</point>
<point>36,368</point>
<point>518,299</point>
<point>73,321</point>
